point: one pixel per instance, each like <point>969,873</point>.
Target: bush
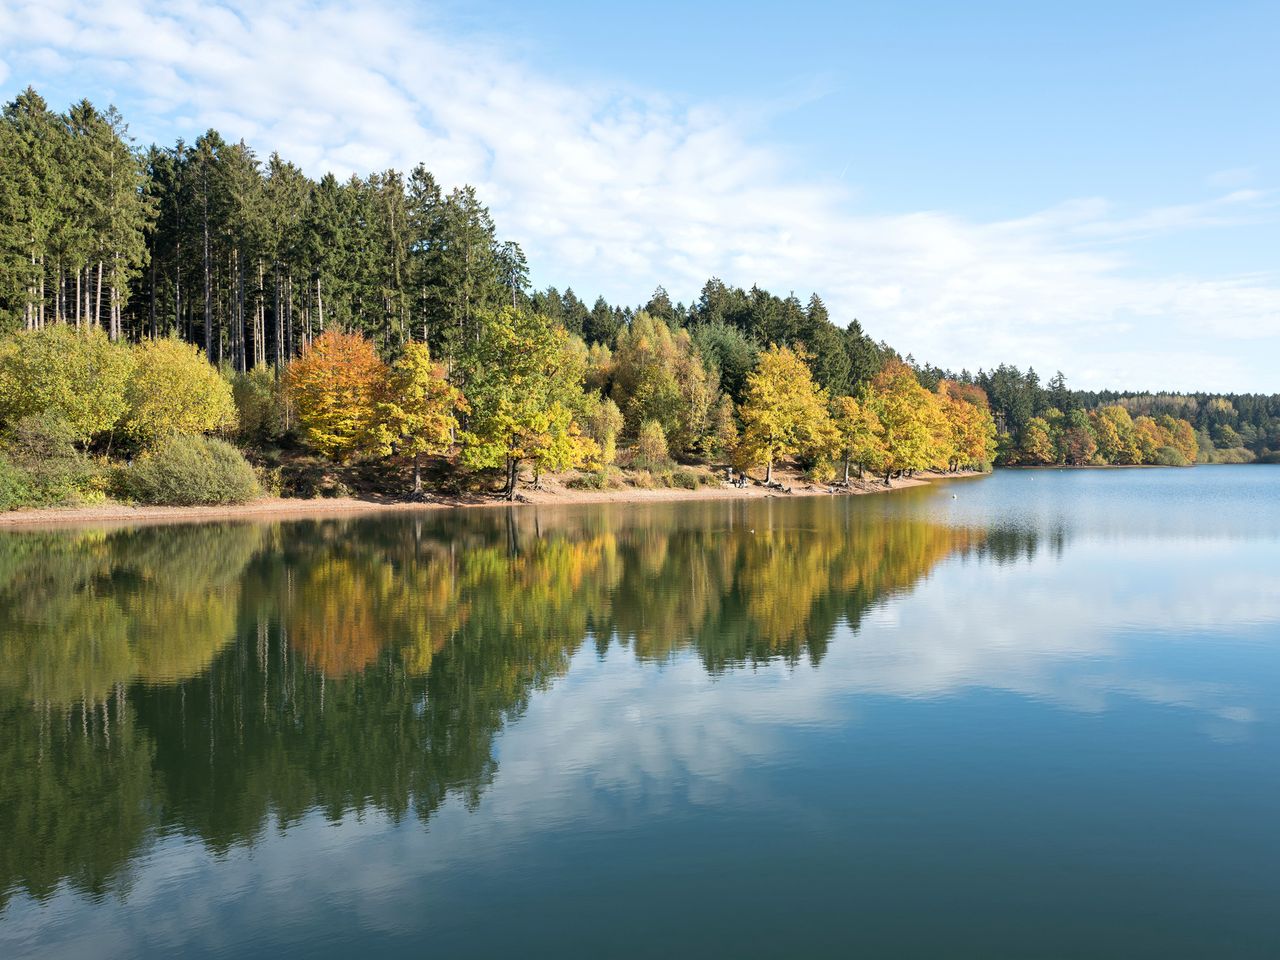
<point>604,479</point>
<point>822,470</point>
<point>270,480</point>
<point>1171,457</point>
<point>42,448</point>
<point>15,492</point>
<point>186,470</point>
<point>686,479</point>
<point>651,446</point>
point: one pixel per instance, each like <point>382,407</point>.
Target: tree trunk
<point>97,302</point>
<point>513,470</point>
<point>768,472</point>
<point>279,320</point>
<point>208,283</point>
<point>417,475</point>
<point>152,309</point>
<point>846,471</point>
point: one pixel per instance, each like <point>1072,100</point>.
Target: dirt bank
<point>553,492</point>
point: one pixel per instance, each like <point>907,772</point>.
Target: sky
<point>1090,187</point>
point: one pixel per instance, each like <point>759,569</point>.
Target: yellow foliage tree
<point>416,410</point>
<point>857,432</point>
<point>523,378</point>
<point>174,389</point>
<point>80,376</point>
<point>335,387</point>
<point>908,414</point>
<point>1037,444</point>
<point>973,430</point>
<point>783,411</point>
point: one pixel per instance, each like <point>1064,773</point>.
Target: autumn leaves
<point>524,391</point>
<point>894,425</point>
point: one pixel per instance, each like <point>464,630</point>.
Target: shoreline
<point>282,508</point>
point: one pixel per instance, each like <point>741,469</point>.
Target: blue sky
<point>1089,187</point>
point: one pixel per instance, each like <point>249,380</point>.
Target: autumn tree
<point>79,375</point>
<point>783,412</point>
<point>658,374</point>
<point>858,434</point>
<point>173,389</point>
<point>973,431</point>
<point>1037,445</point>
<point>417,409</point>
<point>1116,437</point>
<point>1079,443</point>
<point>907,414</point>
<point>602,421</point>
<point>521,384</point>
<point>335,387</point>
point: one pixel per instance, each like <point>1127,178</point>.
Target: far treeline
<point>383,319</point>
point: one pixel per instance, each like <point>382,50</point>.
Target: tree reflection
<point>212,680</point>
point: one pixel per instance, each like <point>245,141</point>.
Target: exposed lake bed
<point>1033,714</point>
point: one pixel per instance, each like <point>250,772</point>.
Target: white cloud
<point>614,190</point>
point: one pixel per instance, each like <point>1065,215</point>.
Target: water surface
<point>1032,715</point>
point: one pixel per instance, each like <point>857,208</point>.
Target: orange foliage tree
<point>335,387</point>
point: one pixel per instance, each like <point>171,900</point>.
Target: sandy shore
<point>554,493</point>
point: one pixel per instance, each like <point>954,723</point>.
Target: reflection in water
<point>205,683</point>
<point>205,679</point>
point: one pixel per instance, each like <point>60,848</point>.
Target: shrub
<point>186,470</point>
<point>270,480</point>
<point>592,480</point>
<point>651,446</point>
<point>42,447</point>
<point>686,479</point>
<point>15,492</point>
<point>1171,457</point>
<point>642,479</point>
<point>821,470</point>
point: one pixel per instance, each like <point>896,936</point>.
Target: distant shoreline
<point>280,508</point>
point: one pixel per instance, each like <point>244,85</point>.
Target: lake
<point>1030,715</point>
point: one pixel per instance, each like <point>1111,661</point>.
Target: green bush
<point>686,479</point>
<point>1171,457</point>
<point>591,480</point>
<point>188,470</point>
<point>41,447</point>
<point>822,470</point>
<point>15,492</point>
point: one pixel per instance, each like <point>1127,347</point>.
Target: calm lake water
<point>1034,715</point>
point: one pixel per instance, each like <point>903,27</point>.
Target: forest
<point>167,312</point>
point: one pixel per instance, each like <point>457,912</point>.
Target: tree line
<point>384,317</point>
<point>1082,425</point>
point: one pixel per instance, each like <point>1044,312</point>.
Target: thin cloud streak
<point>614,190</point>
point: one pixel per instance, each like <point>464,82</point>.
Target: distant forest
<point>251,260</point>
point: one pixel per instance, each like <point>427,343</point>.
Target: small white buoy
<point>953,496</point>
